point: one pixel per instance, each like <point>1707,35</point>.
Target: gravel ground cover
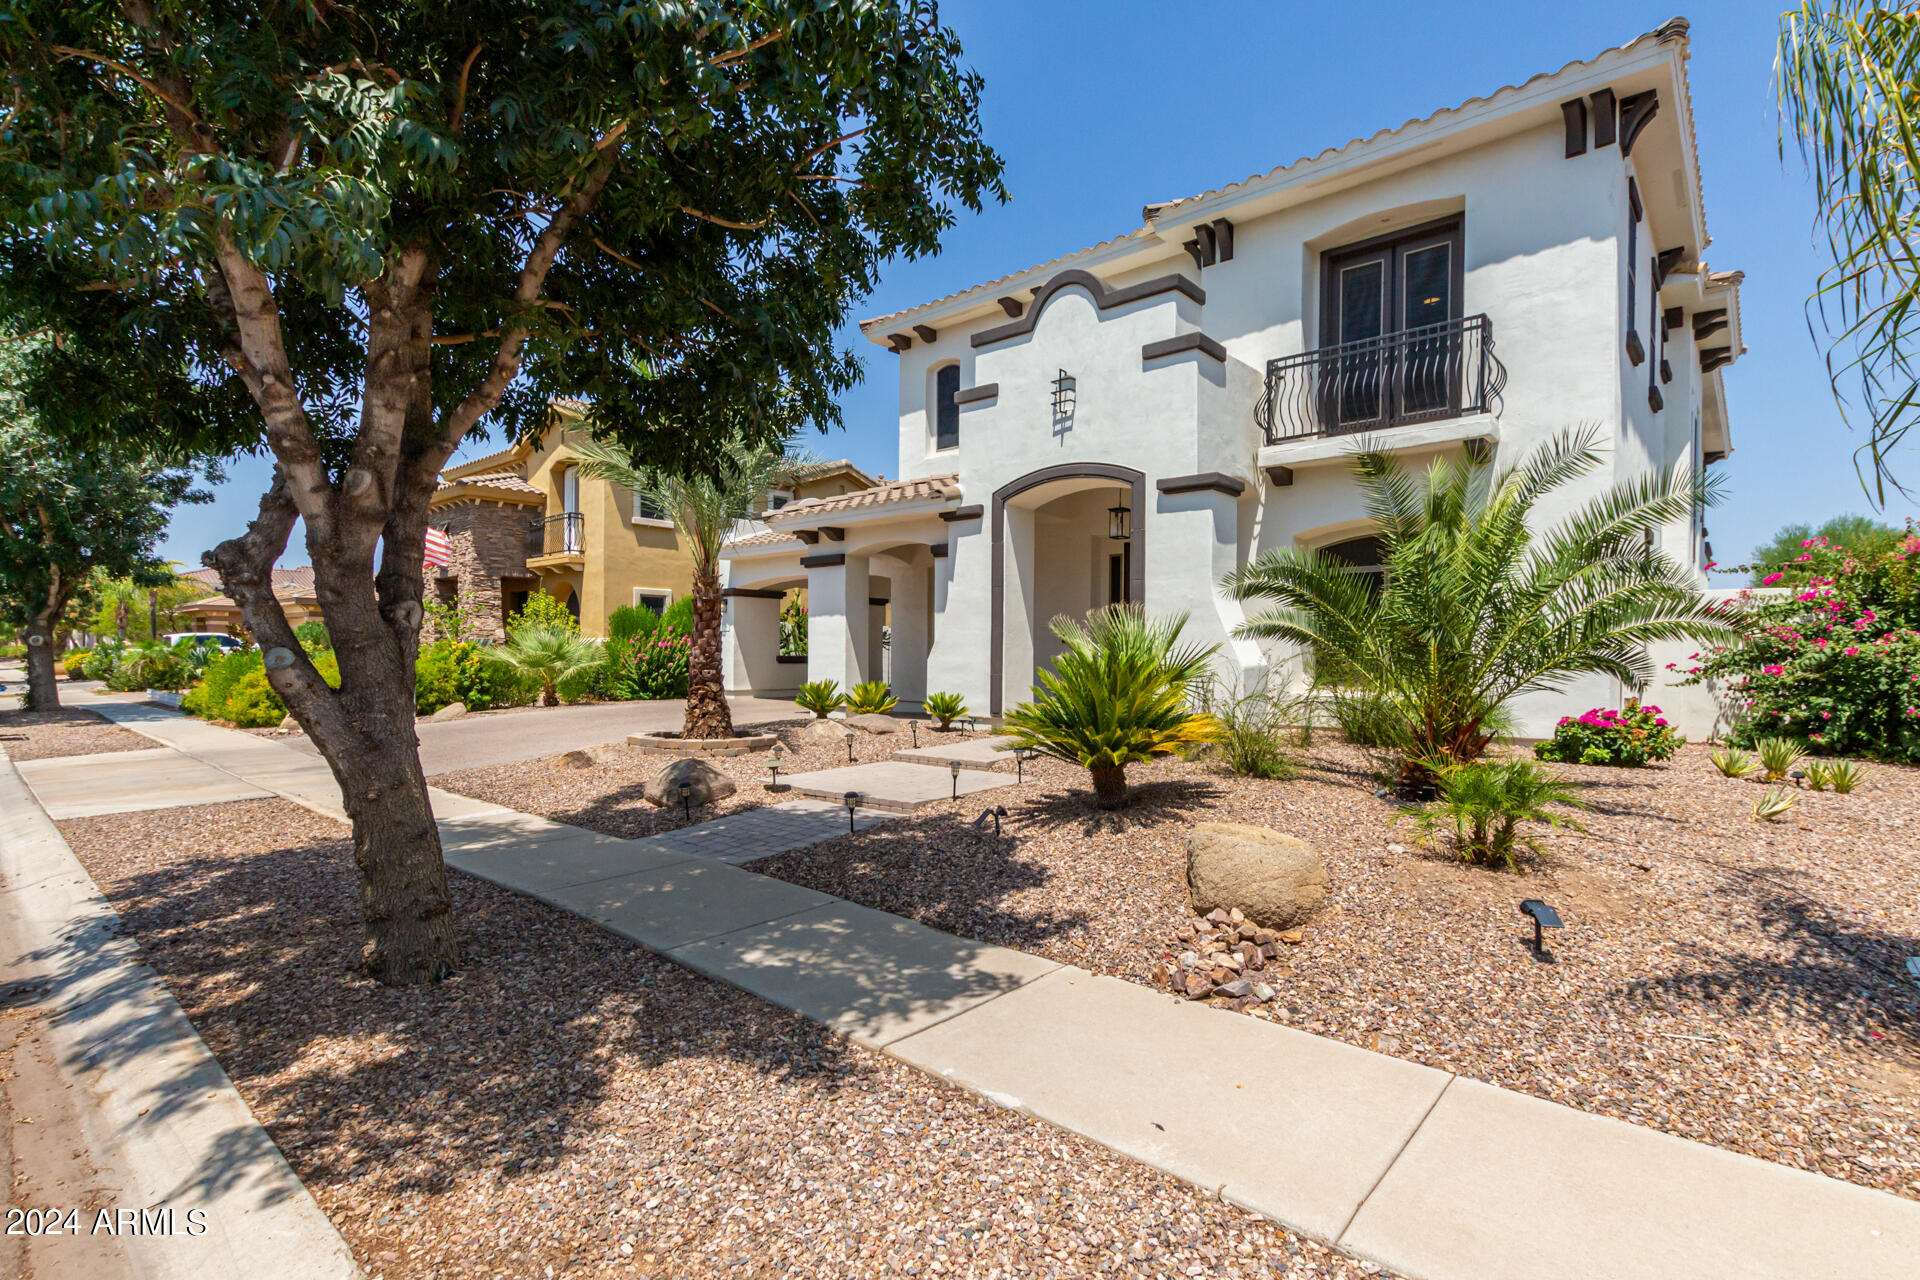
<point>571,1105</point>
<point>600,787</point>
<point>42,735</point>
<point>1728,981</point>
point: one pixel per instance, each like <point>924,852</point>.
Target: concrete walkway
<point>1433,1175</point>
<point>162,1128</point>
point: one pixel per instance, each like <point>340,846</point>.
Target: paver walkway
<point>1435,1176</point>
<point>974,753</point>
<point>895,785</point>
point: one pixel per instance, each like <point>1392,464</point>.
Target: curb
<point>159,1115</point>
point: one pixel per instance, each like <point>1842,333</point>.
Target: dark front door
<point>1388,314</point>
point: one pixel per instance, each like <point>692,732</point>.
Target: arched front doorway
<point>1054,553</point>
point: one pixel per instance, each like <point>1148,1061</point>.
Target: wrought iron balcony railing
<point>554,535</point>
<point>1420,375</point>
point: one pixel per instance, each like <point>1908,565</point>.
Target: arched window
<point>1367,555</point>
<point>946,413</point>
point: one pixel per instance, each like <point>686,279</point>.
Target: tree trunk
<point>708,715</point>
<point>1110,786</point>
<point>43,693</point>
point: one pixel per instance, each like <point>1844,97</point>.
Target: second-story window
<point>946,413</point>
<point>648,507</point>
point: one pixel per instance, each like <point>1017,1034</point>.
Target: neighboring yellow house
<point>525,520</point>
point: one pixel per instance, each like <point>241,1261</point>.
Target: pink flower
<point>1771,578</point>
<point>1853,651</point>
<point>1775,670</point>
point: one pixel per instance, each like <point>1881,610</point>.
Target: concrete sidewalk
<point>1435,1176</point>
<point>164,1130</point>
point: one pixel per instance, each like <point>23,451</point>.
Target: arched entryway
<point>1054,552</point>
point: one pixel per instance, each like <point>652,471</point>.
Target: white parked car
<point>208,639</point>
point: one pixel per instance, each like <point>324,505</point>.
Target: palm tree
<point>1475,606</point>
<point>544,656</point>
<point>1848,76</point>
<point>1481,806</point>
<point>1117,696</point>
<point>703,508</point>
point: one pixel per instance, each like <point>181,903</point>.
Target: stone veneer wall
<point>489,543</point>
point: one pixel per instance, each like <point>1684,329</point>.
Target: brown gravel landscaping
<point>599,788</point>
<point>42,735</point>
<point>1732,982</point>
<point>572,1105</point>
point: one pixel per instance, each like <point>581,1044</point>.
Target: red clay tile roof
<point>927,487</point>
<point>769,539</point>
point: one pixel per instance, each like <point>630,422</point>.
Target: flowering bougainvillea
<point>1834,658</point>
<point>1628,738</point>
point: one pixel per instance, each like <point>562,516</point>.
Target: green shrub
<point>542,612</point>
<point>1116,696</point>
<point>100,661</point>
<point>450,671</point>
<point>75,661</point>
<point>149,665</point>
<point>209,697</point>
<point>543,658</point>
<point>234,688</point>
<point>631,622</point>
<point>822,697</point>
<point>871,697</point>
<point>1627,738</point>
<point>312,635</point>
<point>13,651</point>
<point>1833,659</point>
<point>945,708</point>
<point>657,668</point>
<point>1253,728</point>
<point>677,617</point>
<point>1482,804</point>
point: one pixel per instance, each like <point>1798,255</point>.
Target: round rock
<point>873,723</point>
<point>452,711</point>
<point>707,784</point>
<point>826,733</point>
<point>1276,880</point>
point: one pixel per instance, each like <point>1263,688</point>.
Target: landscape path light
<point>953,767</point>
<point>1543,916</point>
<point>998,812</point>
<point>849,746</point>
<point>1020,757</point>
<point>686,799</point>
<point>853,802</point>
<point>774,756</point>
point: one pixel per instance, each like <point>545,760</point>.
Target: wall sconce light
<point>998,812</point>
<point>1120,520</point>
<point>1064,391</point>
<point>953,767</point>
<point>1544,916</point>
<point>853,802</point>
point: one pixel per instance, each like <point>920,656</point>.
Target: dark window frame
<point>1393,244</point>
<point>946,410</point>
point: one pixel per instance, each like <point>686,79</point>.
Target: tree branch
<point>456,121</point>
<point>723,222</point>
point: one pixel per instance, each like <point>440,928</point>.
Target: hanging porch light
<point>1120,520</point>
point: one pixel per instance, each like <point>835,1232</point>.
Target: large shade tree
<point>395,224</point>
<point>704,507</point>
<point>1848,76</point>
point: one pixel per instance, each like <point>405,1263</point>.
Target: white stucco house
<point>1136,419</point>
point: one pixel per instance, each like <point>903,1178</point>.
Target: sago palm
<point>703,507</point>
<point>544,656</point>
<point>1478,604</point>
<point>1118,695</point>
<point>1481,806</point>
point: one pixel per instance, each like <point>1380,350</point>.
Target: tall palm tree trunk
<point>707,713</point>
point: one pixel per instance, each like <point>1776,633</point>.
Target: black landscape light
<point>1020,757</point>
<point>774,755</point>
<point>998,812</point>
<point>953,767</point>
<point>1798,775</point>
<point>853,802</point>
<point>915,726</point>
<point>849,746</point>
<point>1544,917</point>
<point>686,799</point>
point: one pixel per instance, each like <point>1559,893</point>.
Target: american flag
<point>439,548</point>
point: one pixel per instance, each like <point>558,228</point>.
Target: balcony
<point>557,542</point>
<point>1429,374</point>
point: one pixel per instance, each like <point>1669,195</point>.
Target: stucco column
<point>1194,543</point>
<point>912,632</point>
<point>750,643</point>
<point>837,617</point>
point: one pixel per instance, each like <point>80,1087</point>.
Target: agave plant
<point>871,697</point>
<point>1844,776</point>
<point>544,656</point>
<point>1118,695</point>
<point>1778,756</point>
<point>822,697</point>
<point>1732,762</point>
<point>945,708</point>
<point>1774,802</point>
<point>1819,775</point>
<point>1480,602</point>
<point>1482,804</point>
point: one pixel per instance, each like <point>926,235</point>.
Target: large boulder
<point>1276,880</point>
<point>452,711</point>
<point>826,733</point>
<point>873,723</point>
<point>708,784</point>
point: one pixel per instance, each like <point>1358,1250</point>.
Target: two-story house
<point>1135,420</point>
<point>525,519</point>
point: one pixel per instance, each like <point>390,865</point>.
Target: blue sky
<point>1102,107</point>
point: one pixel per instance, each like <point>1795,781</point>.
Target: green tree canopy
<point>1861,535</point>
<point>391,225</point>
